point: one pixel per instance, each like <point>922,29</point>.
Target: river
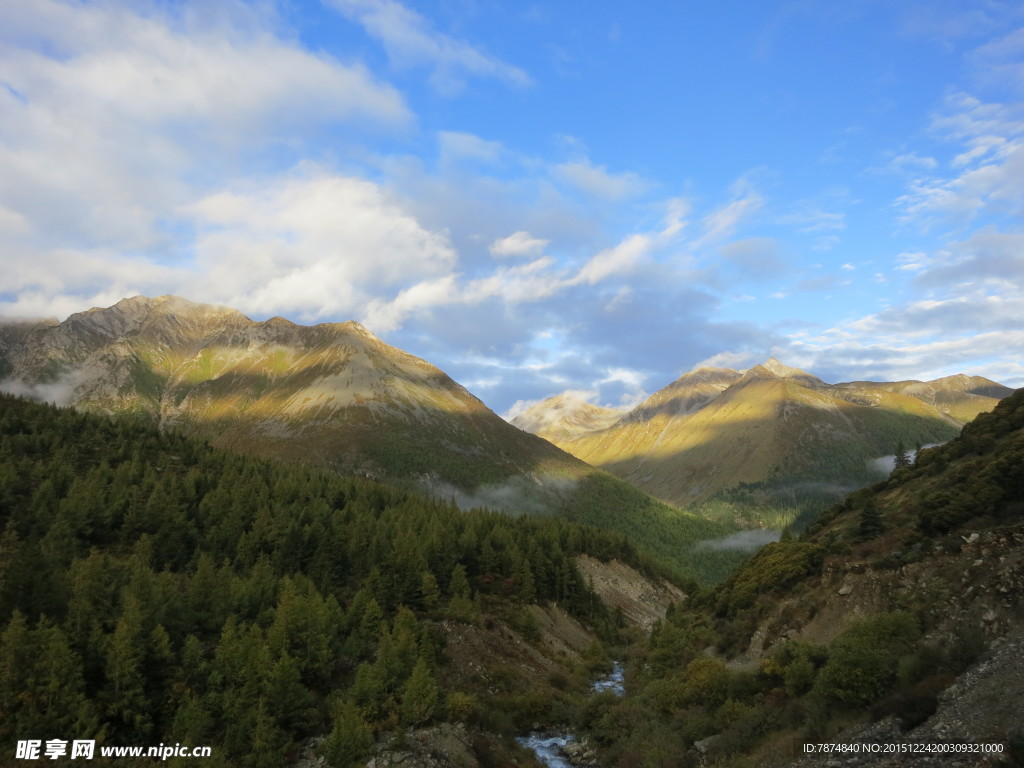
<point>549,746</point>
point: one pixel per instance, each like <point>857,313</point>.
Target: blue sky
<point>538,197</point>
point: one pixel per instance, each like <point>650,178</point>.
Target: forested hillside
<point>869,628</point>
<point>154,589</point>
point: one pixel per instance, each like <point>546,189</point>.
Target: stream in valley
<point>549,746</point>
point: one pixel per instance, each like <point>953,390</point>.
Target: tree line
<point>154,589</point>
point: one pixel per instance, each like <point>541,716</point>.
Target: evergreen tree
<point>190,588</point>
<point>127,704</point>
<point>430,593</point>
<point>901,458</point>
<point>458,586</point>
<point>17,652</point>
<point>870,520</point>
<point>419,698</point>
<point>58,686</point>
<point>350,739</point>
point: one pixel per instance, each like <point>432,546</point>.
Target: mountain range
<point>332,395</point>
<point>767,433</point>
<point>760,447</point>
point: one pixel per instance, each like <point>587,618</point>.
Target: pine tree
<point>350,739</point>
<point>419,698</point>
<point>870,524</point>
<point>268,742</point>
<point>458,586</point>
<point>127,702</point>
<point>901,458</point>
<point>59,688</point>
<point>17,651</point>
<point>430,593</point>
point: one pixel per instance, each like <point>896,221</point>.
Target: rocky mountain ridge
<point>715,429</point>
<point>566,416</point>
<point>191,365</point>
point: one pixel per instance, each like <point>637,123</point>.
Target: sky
<point>535,197</point>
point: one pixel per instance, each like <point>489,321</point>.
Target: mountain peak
<point>774,365</point>
<point>160,315</point>
<point>971,385</point>
<point>705,375</point>
<point>360,329</point>
<point>689,393</point>
<point>773,368</point>
<point>565,416</point>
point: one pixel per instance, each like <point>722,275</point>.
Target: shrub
<point>461,706</point>
<point>706,682</point>
<point>777,566</point>
<point>863,661</point>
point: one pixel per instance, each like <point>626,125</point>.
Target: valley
<point>265,529</point>
<point>472,384</point>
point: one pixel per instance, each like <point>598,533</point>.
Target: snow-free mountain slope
<point>333,392</point>
<point>333,395</point>
<point>776,428</point>
<point>564,416</point>
<point>959,396</point>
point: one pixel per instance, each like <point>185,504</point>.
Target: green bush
<point>863,661</point>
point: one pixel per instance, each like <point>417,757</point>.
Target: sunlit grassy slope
<point>775,443</point>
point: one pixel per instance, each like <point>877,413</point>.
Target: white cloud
<point>518,244</point>
<point>1000,62</point>
<point>968,318</point>
<point>912,261</point>
<point>598,181</point>
<point>458,146</point>
<point>383,316</point>
<point>573,395</point>
<point>533,281</point>
<point>994,187</point>
<point>115,112</point>
<point>13,223</point>
<point>966,118</point>
<point>723,222</point>
<point>987,257</point>
<point>734,360</point>
<point>617,259</point>
<point>677,212</point>
<point>523,283</point>
<point>410,40</point>
<point>987,171</point>
<point>912,161</point>
<point>313,245</point>
<point>632,382</point>
<point>978,148</point>
<point>899,357</point>
<point>810,220</point>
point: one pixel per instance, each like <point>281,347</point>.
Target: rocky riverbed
<point>562,749</point>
